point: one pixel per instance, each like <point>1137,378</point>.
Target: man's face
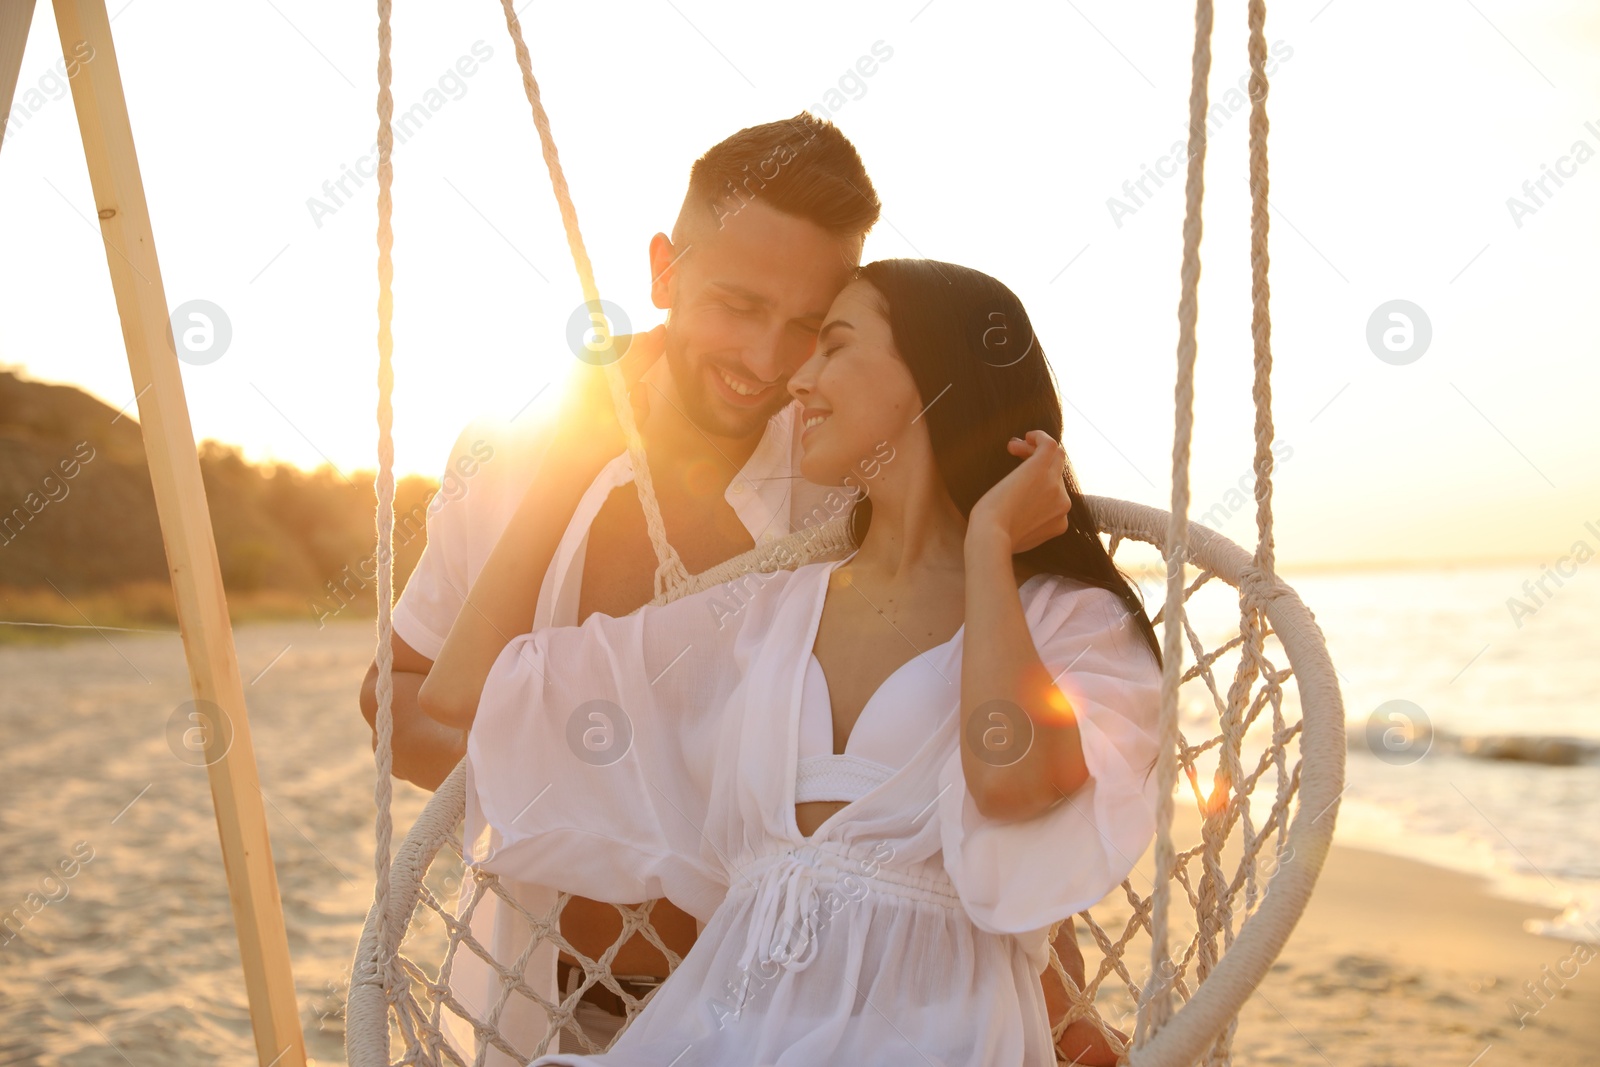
<point>747,298</point>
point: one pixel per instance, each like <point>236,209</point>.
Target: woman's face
<point>855,392</point>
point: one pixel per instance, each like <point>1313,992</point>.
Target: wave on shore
<point>1549,750</point>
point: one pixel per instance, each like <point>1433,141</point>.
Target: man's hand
<point>425,752</point>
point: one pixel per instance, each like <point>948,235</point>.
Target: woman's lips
<point>811,421</point>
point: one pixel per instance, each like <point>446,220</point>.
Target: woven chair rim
<point>1214,1002</point>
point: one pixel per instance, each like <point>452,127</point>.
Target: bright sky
<point>995,135</point>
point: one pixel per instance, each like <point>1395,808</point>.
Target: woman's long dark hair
<point>968,342</point>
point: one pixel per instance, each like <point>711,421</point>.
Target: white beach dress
<point>657,755</point>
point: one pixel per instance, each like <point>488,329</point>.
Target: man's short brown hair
<point>801,166</point>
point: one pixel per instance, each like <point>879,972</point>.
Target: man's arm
<point>505,593</point>
<point>425,751</point>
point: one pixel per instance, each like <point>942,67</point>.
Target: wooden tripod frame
<point>180,503</point>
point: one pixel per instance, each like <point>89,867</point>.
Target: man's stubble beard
<point>710,416</point>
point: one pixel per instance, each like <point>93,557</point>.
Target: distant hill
<point>77,513</point>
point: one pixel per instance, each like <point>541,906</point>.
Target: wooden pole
<point>185,529</point>
<point>15,17</point>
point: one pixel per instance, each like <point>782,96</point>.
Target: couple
<point>875,810</point>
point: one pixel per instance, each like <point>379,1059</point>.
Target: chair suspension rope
<point>1258,584</point>
<point>380,969</point>
<point>670,571</point>
<point>1260,288</point>
<point>1155,1005</point>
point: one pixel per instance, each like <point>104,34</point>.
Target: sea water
<point>1474,741</point>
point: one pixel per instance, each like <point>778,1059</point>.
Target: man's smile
<point>738,390</point>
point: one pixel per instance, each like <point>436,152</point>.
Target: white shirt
<point>908,928</point>
<point>489,472</point>
<point>490,469</point>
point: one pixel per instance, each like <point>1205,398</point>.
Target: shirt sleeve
<point>1018,877</point>
<point>590,764</point>
<point>480,486</point>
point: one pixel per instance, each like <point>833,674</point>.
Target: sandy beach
<point>1400,964</point>
<point>1396,964</point>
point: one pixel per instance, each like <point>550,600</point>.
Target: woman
<point>878,781</point>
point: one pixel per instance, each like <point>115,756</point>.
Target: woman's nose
<point>801,381</point>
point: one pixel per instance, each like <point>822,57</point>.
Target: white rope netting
<point>1243,834</point>
<point>1246,866</point>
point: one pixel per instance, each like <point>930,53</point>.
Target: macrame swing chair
<point>1245,881</point>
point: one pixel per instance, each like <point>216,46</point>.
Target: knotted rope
<point>1156,1006</point>
<point>1260,584</point>
<point>671,577</point>
<point>379,968</point>
<point>670,571</point>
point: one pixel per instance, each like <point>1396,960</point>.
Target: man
<point>770,230</point>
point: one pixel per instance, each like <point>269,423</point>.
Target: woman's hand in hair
<point>1030,505</point>
<point>999,659</point>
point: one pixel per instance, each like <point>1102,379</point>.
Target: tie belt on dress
<point>789,892</point>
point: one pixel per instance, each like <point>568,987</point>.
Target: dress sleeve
<point>1019,877</point>
<point>590,761</point>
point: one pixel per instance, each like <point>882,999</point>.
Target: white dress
<point>486,478</point>
<point>658,755</point>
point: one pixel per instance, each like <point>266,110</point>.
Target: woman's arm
<point>1020,751</point>
<point>505,594</point>
<point>503,598</point>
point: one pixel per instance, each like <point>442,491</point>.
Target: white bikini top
<point>893,724</point>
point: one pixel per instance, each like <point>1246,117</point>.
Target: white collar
<point>759,493</point>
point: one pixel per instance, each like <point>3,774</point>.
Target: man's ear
<point>664,258</point>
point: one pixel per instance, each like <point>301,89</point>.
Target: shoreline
<point>1395,961</point>
<point>1533,892</point>
<point>1400,961</point>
